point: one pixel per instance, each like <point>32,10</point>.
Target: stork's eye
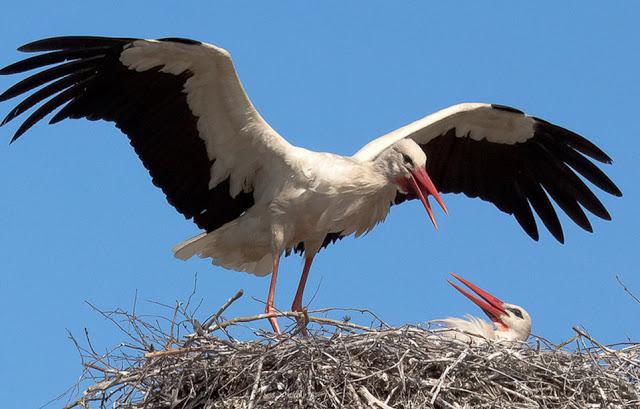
<point>516,312</point>
<point>407,160</point>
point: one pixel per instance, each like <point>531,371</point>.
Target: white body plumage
<point>314,195</point>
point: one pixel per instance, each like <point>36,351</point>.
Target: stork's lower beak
<point>423,186</point>
<point>491,305</point>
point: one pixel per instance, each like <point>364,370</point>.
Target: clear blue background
<point>80,220</point>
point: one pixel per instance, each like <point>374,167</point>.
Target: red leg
<point>269,308</point>
<point>297,301</point>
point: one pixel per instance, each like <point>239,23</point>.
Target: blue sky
<point>80,219</point>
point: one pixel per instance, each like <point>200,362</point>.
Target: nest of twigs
<point>347,365</point>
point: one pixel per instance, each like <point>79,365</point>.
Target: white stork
<point>255,195</point>
<point>510,322</point>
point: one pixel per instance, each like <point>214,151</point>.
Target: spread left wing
<point>179,101</point>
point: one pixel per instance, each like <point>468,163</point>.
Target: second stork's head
<point>512,322</point>
<point>404,164</point>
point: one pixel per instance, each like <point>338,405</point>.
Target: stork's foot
<point>297,300</point>
<point>270,309</point>
<point>302,321</point>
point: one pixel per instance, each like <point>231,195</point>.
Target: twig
<point>587,336</point>
<point>627,290</point>
<point>290,314</point>
<point>256,383</point>
<point>174,351</point>
<point>436,389</point>
<point>372,400</point>
<point>218,313</point>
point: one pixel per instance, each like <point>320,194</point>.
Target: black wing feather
<point>44,93</point>
<point>522,212</point>
<point>55,57</point>
<point>541,204</point>
<point>46,108</point>
<point>580,164</point>
<point>75,43</point>
<point>572,139</point>
<point>49,75</point>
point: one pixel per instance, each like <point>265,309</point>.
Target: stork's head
<point>404,164</point>
<point>512,322</point>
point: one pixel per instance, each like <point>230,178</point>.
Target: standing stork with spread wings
<point>187,116</point>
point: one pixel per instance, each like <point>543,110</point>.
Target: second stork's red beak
<point>423,186</point>
<point>491,305</point>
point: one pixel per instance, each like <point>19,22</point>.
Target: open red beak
<point>491,306</point>
<point>423,186</point>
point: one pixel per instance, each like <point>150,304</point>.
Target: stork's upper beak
<point>423,187</point>
<point>491,305</point>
